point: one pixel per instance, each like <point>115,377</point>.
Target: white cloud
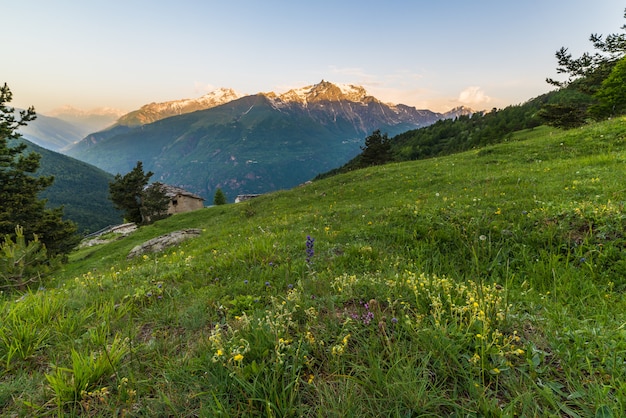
<point>473,96</point>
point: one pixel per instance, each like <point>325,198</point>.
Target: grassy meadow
<point>486,283</point>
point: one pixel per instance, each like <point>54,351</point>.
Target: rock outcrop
<point>158,244</point>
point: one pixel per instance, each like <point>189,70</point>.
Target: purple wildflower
<point>310,252</point>
<point>367,317</point>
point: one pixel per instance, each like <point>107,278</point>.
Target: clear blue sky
<point>429,54</point>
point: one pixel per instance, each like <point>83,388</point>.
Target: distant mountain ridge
<point>87,120</point>
<point>156,111</point>
<point>62,127</point>
<point>250,144</point>
<point>326,100</point>
<point>306,96</point>
<point>153,112</point>
<point>51,133</point>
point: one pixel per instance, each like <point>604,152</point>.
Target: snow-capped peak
<point>355,93</point>
<point>325,91</point>
<point>211,99</point>
<point>221,95</point>
<point>156,111</point>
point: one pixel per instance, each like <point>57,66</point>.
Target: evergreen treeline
<point>449,136</point>
<point>465,132</point>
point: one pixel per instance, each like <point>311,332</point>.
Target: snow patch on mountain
<point>352,92</point>
<point>156,111</point>
<point>325,91</point>
<point>212,99</point>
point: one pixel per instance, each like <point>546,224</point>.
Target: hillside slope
<point>488,283</point>
<point>82,190</point>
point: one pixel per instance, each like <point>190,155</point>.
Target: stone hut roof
<point>173,191</point>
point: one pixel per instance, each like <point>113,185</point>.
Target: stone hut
<point>181,200</point>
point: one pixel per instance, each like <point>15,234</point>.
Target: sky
<point>430,54</point>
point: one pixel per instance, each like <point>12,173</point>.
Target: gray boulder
<point>164,241</point>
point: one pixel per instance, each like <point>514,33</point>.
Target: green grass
<point>487,283</point>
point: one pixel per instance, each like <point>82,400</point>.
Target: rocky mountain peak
<point>458,111</point>
<point>325,91</point>
<point>219,96</point>
<point>156,111</point>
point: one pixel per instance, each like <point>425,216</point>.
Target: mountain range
<point>51,133</point>
<point>87,120</point>
<point>156,111</point>
<point>248,144</point>
<point>66,125</point>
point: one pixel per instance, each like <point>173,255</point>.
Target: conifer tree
<point>154,203</point>
<point>377,150</point>
<point>20,205</point>
<point>219,198</point>
<point>585,75</point>
<point>126,192</point>
<point>22,263</point>
<point>611,95</point>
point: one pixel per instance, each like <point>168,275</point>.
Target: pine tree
<point>612,94</point>
<point>22,263</point>
<point>126,192</point>
<point>377,150</point>
<point>154,203</point>
<point>19,187</point>
<point>219,198</point>
<point>585,75</point>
